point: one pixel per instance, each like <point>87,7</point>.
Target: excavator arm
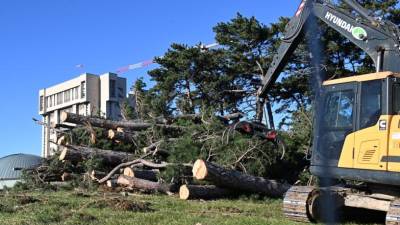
<point>379,39</point>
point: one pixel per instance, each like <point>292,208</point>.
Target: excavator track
<point>393,215</point>
<point>296,204</point>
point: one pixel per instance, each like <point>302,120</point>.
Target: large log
<point>112,183</point>
<point>121,136</point>
<point>63,140</point>
<point>110,124</point>
<point>96,175</point>
<point>77,154</point>
<point>205,192</point>
<point>102,123</point>
<point>150,175</point>
<point>66,177</point>
<point>145,185</point>
<point>235,180</point>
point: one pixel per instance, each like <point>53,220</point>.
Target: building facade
<point>87,95</point>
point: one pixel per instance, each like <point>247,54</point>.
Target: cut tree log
<point>145,185</point>
<point>66,177</point>
<point>111,124</point>
<point>96,175</point>
<point>102,123</point>
<point>150,175</point>
<point>63,140</point>
<point>206,192</point>
<point>112,183</point>
<point>77,154</point>
<point>235,180</point>
<point>121,136</point>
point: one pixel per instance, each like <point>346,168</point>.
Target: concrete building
<point>86,95</point>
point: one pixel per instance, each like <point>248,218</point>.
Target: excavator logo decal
<point>358,33</point>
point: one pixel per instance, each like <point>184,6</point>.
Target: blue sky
<point>42,41</point>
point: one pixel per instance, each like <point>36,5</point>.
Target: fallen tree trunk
<point>205,192</point>
<point>102,123</point>
<point>145,185</point>
<point>235,180</point>
<point>112,183</point>
<point>111,124</point>
<point>77,154</point>
<point>121,136</point>
<point>66,177</point>
<point>96,175</point>
<point>150,175</point>
<point>63,140</point>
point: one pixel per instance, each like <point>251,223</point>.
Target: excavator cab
<point>356,134</point>
<point>358,128</point>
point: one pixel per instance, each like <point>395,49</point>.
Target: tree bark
<point>66,177</point>
<point>102,123</point>
<point>145,185</point>
<point>96,175</point>
<point>205,192</point>
<point>112,183</point>
<point>235,180</point>
<point>150,175</point>
<point>63,140</point>
<point>77,154</point>
<point>111,124</point>
<point>120,136</point>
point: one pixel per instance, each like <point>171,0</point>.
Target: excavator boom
<point>379,39</point>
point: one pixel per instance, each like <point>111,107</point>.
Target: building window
<point>75,93</point>
<point>59,98</point>
<point>51,101</point>
<point>112,88</point>
<point>109,110</point>
<point>67,95</point>
<point>120,93</point>
<point>83,89</point>
<point>41,103</point>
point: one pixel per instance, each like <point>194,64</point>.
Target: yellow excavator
<point>356,135</point>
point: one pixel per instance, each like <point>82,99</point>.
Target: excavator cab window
<point>339,110</point>
<point>336,122</point>
<point>371,103</point>
<point>396,99</point>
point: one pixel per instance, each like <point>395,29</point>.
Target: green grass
<point>72,208</point>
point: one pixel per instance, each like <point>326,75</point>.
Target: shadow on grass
<point>363,216</point>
